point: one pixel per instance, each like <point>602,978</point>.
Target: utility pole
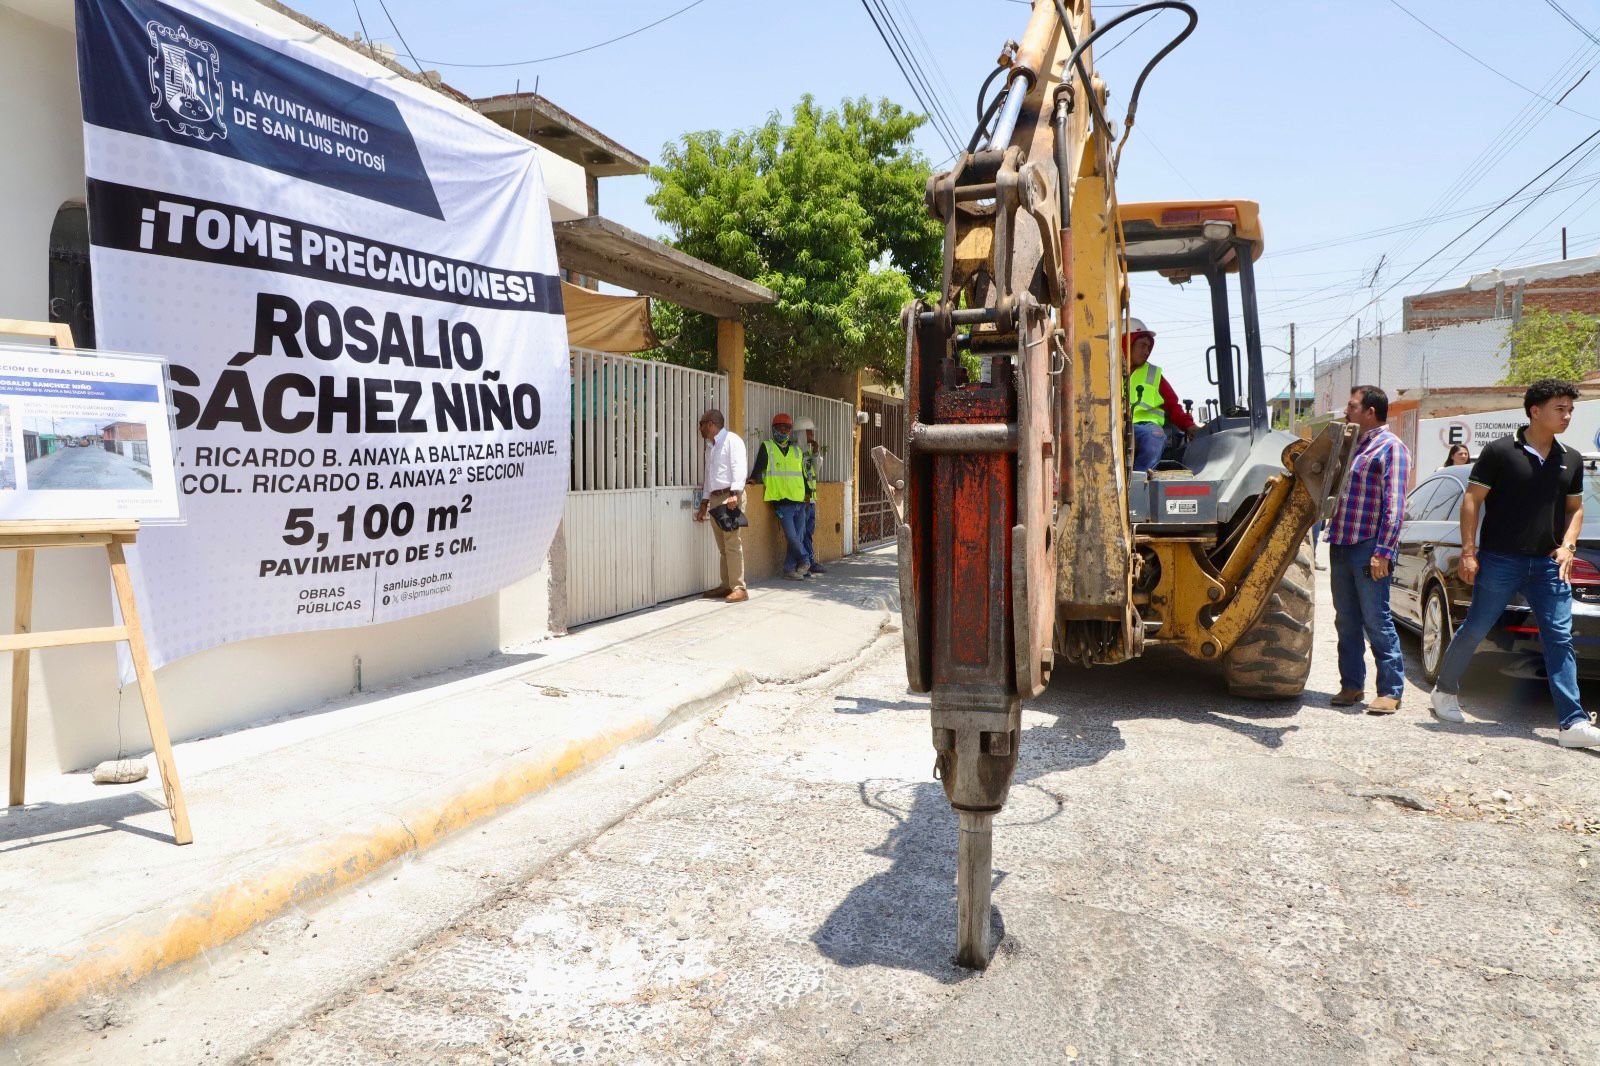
<point>1380,353</point>
<point>1563,242</point>
<point>1294,393</point>
<point>1355,377</point>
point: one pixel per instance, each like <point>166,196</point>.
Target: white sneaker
<point>1582,735</point>
<point>1446,707</point>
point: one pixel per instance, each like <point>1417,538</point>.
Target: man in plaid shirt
<point>1362,536</point>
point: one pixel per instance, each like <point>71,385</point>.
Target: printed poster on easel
<point>354,280</point>
<point>84,436</point>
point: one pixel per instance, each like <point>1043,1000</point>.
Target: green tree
<point>1552,344</point>
<point>824,209</point>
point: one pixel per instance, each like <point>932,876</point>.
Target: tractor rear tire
<point>1273,659</point>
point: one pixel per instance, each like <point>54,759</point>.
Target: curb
<point>148,943</point>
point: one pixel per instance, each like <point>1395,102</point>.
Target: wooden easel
<point>25,538</point>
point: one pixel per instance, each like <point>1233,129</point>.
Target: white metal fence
<point>637,464</point>
<point>633,422</point>
<point>834,419</point>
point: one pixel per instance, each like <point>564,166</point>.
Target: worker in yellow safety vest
<point>780,468</point>
<point>1151,398</point>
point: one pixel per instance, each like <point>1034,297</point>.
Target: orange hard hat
<point>781,419</point>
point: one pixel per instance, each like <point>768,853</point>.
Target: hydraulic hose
<point>1075,60</point>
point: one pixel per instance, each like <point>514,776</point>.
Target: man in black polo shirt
<point>1529,487</point>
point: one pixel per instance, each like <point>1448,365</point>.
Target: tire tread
<point>1273,659</point>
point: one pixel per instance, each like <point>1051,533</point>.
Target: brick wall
<point>1578,292</point>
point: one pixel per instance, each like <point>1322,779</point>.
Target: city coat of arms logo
<point>185,83</point>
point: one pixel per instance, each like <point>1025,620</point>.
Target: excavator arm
<point>979,491</point>
<point>1014,532</point>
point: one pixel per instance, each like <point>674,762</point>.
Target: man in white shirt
<point>726,464</point>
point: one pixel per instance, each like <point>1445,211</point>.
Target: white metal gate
<point>637,463</point>
<point>835,421</point>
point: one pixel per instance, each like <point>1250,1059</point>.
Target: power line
<point>938,112</point>
<point>1520,126</point>
<point>1485,217</point>
<point>1125,38</point>
<point>396,27</point>
<point>917,68</point>
<point>906,75</point>
<point>1533,111</point>
<point>1500,73</point>
<point>361,21</point>
<point>575,51</point>
<point>1520,212</point>
<point>1145,133</point>
<point>1417,223</point>
<point>1558,215</point>
<point>951,96</point>
<point>1574,22</point>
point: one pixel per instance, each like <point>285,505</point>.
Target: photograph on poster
<point>86,453</point>
<point>84,436</point>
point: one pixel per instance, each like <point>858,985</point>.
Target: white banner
<point>355,282</point>
<point>1435,436</point>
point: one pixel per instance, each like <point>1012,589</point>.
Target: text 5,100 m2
<point>374,523</point>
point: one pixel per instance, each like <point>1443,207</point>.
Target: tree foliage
<point>1552,344</point>
<point>824,209</point>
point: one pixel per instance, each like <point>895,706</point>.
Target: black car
<point>1428,595</point>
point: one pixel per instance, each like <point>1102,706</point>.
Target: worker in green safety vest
<point>806,431</point>
<point>1151,398</point>
<point>780,468</point>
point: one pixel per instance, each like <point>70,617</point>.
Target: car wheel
<point>1436,633</point>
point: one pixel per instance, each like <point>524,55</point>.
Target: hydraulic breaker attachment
<point>957,499</point>
<point>976,495</point>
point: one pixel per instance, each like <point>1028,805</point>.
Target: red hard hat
<point>781,419</point>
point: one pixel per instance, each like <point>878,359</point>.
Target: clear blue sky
<point>1340,119</point>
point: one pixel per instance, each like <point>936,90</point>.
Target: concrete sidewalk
<point>94,896</point>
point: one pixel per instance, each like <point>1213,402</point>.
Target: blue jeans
<point>1538,578</point>
<point>1361,614</point>
<point>1149,441</point>
<point>791,516</point>
<point>808,533</point>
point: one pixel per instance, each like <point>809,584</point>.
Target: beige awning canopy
<point>604,323</point>
<point>599,248</point>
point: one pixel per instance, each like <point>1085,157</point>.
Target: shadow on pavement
<point>871,580</point>
<point>905,917</point>
<point>867,705</point>
<point>1497,704</point>
<point>40,824</point>
<point>1090,701</point>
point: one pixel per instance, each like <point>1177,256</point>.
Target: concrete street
<point>86,468</point>
<point>1180,878</point>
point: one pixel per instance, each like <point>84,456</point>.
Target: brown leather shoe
<point>738,596</point>
<point>1383,705</point>
<point>716,594</point>
<point>1347,697</point>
